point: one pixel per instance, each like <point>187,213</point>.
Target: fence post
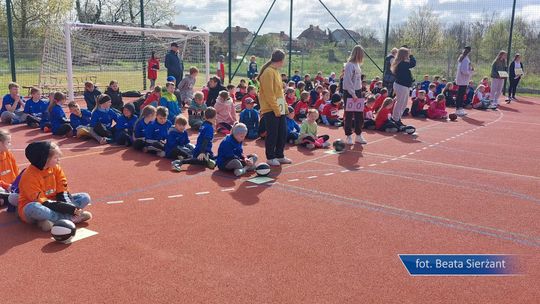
<point>230,41</point>
<point>10,41</point>
<point>143,61</point>
<point>510,40</point>
<point>386,36</point>
<point>290,40</point>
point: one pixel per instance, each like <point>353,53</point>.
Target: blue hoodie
<point>292,126</point>
<point>229,149</point>
<point>140,128</point>
<point>105,117</point>
<point>169,101</point>
<point>124,124</point>
<point>36,108</point>
<point>90,98</point>
<point>57,117</point>
<point>156,131</point>
<point>77,121</point>
<point>206,134</point>
<point>250,118</point>
<point>175,139</point>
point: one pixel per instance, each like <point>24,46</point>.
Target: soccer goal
<point>101,53</point>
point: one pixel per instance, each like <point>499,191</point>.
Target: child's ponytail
<point>56,98</point>
<point>277,56</point>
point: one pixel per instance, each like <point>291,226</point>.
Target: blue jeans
<point>37,212</point>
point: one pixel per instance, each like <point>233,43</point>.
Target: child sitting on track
<point>59,122</point>
<point>177,145</point>
<point>123,131</point>
<point>301,108</point>
<point>251,93</point>
<point>380,99</point>
<point>196,111</point>
<point>369,122</point>
<point>12,106</point>
<point>330,112</point>
<point>80,122</point>
<point>103,117</point>
<point>202,154</point>
<point>91,94</point>
<point>9,170</point>
<point>290,98</point>
<point>152,99</point>
<point>155,134</point>
<point>226,113</point>
<point>418,104</point>
<point>308,132</point>
<point>185,87</point>
<point>293,129</point>
<point>44,196</point>
<point>383,121</point>
<point>116,96</point>
<point>250,118</point>
<point>34,108</point>
<point>481,100</point>
<point>169,101</point>
<point>323,101</point>
<point>231,154</point>
<point>437,108</point>
<point>148,115</point>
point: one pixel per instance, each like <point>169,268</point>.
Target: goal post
<point>100,53</point>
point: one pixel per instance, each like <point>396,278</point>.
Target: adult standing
<point>463,76</point>
<point>352,93</point>
<point>174,63</point>
<point>273,109</point>
<point>515,72</point>
<point>153,67</point>
<point>401,68</point>
<point>498,75</point>
<point>388,77</point>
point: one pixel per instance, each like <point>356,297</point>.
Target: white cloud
<point>530,12</point>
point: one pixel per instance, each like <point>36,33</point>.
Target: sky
<point>211,15</point>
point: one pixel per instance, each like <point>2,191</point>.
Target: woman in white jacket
<point>463,76</point>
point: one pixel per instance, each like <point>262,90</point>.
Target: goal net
<point>101,53</point>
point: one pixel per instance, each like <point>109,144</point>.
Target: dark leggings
<point>63,129</point>
<point>102,131</point>
<point>123,138</point>
<point>460,94</point>
<point>183,152</point>
<point>513,87</point>
<point>358,118</point>
<point>276,135</point>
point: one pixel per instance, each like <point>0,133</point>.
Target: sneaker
<point>82,132</point>
<point>350,140</point>
<point>337,124</point>
<point>145,149</point>
<point>239,172</point>
<point>273,162</point>
<point>360,139</point>
<point>103,141</point>
<point>284,160</point>
<point>310,146</point>
<point>176,165</point>
<point>85,216</point>
<point>33,125</point>
<point>45,225</point>
<point>492,106</point>
<point>461,112</point>
<point>161,154</point>
<point>326,144</point>
<point>509,100</point>
<point>391,130</point>
<point>210,163</point>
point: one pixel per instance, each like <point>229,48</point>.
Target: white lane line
<point>254,186</point>
<point>395,158</point>
<point>431,146</point>
<point>145,199</point>
<point>424,148</point>
<point>175,196</point>
<point>402,156</point>
<point>115,202</point>
<point>202,193</point>
<point>361,168</point>
<point>372,165</point>
<point>312,177</point>
<point>411,153</point>
<point>328,174</point>
<point>227,190</point>
<point>419,150</point>
<point>293,180</point>
<point>384,162</point>
<point>344,171</point>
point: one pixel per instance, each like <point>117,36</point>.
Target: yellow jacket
<point>271,88</point>
<point>40,185</point>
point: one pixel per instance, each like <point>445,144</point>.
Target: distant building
<point>240,37</point>
<point>340,37</point>
<point>312,37</point>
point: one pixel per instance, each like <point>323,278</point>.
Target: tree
<point>31,18</point>
<point>496,39</point>
<point>265,44</point>
<point>89,11</point>
<point>423,30</point>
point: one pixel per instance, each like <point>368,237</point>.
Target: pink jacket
<point>437,110</point>
<point>226,111</point>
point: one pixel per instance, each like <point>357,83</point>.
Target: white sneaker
<point>85,216</point>
<point>360,139</point>
<point>45,225</point>
<point>284,160</point>
<point>239,172</point>
<point>326,144</point>
<point>350,140</point>
<point>273,162</point>
<point>461,112</point>
<point>310,146</point>
<point>161,154</point>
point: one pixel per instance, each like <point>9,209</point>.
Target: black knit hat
<point>38,153</point>
<point>103,98</point>
<point>335,98</point>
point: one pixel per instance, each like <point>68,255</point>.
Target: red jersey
<point>382,117</point>
<point>151,98</point>
<point>319,103</point>
<point>368,112</point>
<point>221,71</point>
<point>378,102</point>
<point>320,79</point>
<point>290,100</point>
<point>243,105</point>
<point>372,85</point>
<point>331,111</point>
<point>301,108</point>
<point>153,67</point>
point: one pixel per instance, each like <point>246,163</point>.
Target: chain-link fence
<point>435,30</point>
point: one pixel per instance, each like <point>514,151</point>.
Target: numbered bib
<point>503,74</point>
<point>354,106</point>
<point>518,71</point>
<point>283,106</point>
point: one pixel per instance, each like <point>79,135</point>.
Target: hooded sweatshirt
<point>213,94</point>
<point>226,111</point>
